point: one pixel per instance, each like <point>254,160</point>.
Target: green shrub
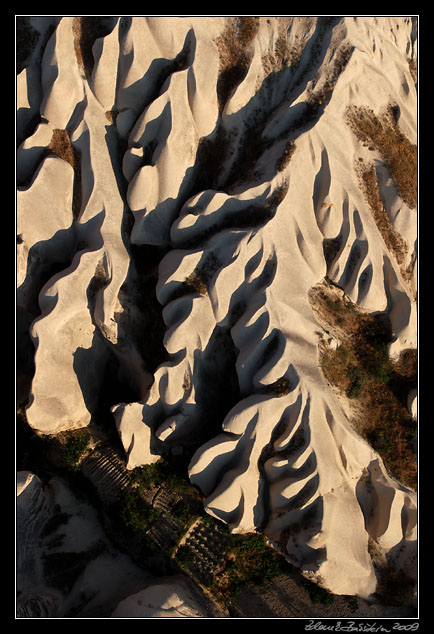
<point>181,510</point>
<point>185,556</point>
<point>74,447</point>
<point>162,473</point>
<point>146,475</point>
<point>361,369</point>
<point>136,513</point>
<point>251,560</point>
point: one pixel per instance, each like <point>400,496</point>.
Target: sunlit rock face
<point>206,179</point>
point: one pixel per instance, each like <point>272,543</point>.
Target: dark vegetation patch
<point>282,55</point>
<point>186,557</point>
<point>234,45</point>
<point>249,561</point>
<point>61,146</point>
<point>86,30</point>
<point>322,96</point>
<point>318,98</point>
<point>394,242</point>
<point>281,387</point>
<point>383,133</point>
<point>136,513</point>
<point>61,453</point>
<point>182,511</point>
<point>163,473</point>
<point>98,281</point>
<point>73,446</point>
<point>360,367</point>
<point>390,430</point>
<point>283,160</point>
<point>235,52</point>
<point>198,281</point>
<point>412,65</point>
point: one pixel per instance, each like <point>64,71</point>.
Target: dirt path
<point>284,597</point>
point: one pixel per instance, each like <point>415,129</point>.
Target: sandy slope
<point>167,168</point>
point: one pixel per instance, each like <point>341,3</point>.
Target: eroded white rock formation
<point>229,176</point>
